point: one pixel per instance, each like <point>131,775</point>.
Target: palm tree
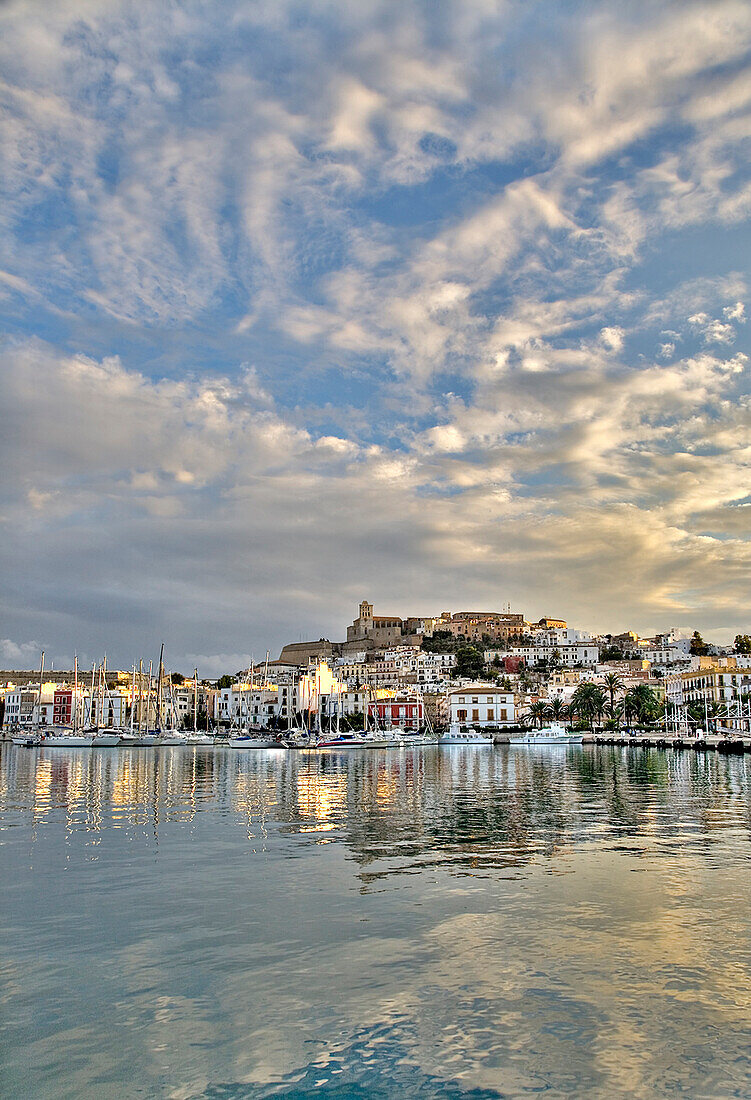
<point>613,684</point>
<point>588,702</point>
<point>537,712</point>
<point>641,704</point>
<point>557,709</point>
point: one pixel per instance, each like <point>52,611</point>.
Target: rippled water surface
<point>449,922</point>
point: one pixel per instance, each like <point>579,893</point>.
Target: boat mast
<point>91,705</point>
<point>195,700</point>
<point>140,694</point>
<point>74,706</point>
<point>148,694</point>
<point>132,698</point>
<point>159,690</point>
<point>104,688</point>
<point>39,696</point>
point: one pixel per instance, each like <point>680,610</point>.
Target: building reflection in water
<point>470,809</point>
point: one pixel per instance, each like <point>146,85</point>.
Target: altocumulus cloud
<point>443,305</point>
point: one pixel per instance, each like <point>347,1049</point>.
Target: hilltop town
<point>491,669</point>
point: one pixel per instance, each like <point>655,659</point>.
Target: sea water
<point>428,922</point>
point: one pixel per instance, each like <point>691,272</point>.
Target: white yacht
<point>195,737</point>
<point>66,739</point>
<point>456,735</point>
<point>254,741</point>
<point>555,734</point>
<point>26,740</point>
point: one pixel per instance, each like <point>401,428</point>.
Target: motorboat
<point>554,734</point>
<point>459,735</point>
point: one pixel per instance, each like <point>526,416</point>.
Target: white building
<point>722,680</point>
<point>23,709</point>
<point>481,705</point>
<point>243,705</point>
<point>662,656</point>
<point>397,667</point>
<point>569,654</point>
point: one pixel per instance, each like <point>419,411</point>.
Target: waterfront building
<point>183,698</point>
<point>721,680</point>
<point>481,705</point>
<point>406,711</point>
<point>563,682</point>
<point>63,710</point>
<point>24,708</point>
<point>245,704</point>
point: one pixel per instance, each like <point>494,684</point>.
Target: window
<point>461,699</point>
<point>475,715</point>
<point>474,698</point>
<point>489,699</point>
<point>503,714</point>
<point>461,716</point>
<point>491,714</point>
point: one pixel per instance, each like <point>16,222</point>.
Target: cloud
<point>735,313</point>
<point>374,295</point>
<point>19,655</point>
<point>713,330</point>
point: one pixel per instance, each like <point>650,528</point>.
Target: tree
<point>700,711</point>
<point>742,643</point>
<point>177,678</point>
<point>613,684</point>
<point>224,682</point>
<point>442,641</point>
<point>557,709</point>
<point>642,705</point>
<point>537,712</point>
<point>699,647</point>
<point>588,702</point>
<point>470,662</point>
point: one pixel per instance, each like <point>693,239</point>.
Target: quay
<point>702,743</point>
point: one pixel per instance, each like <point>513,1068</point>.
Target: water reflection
<point>469,809</point>
<point>442,922</point>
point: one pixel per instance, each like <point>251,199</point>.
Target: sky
<point>440,305</point>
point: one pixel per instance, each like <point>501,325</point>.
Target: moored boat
<point>254,741</point>
<point>456,735</point>
<point>26,740</point>
<point>555,734</point>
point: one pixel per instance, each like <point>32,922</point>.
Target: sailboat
<point>193,737</point>
<point>246,737</point>
<point>73,739</point>
<point>32,739</point>
<point>103,738</point>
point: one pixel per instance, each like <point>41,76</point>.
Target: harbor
<point>454,922</point>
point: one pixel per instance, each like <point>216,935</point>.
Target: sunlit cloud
<point>371,298</point>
